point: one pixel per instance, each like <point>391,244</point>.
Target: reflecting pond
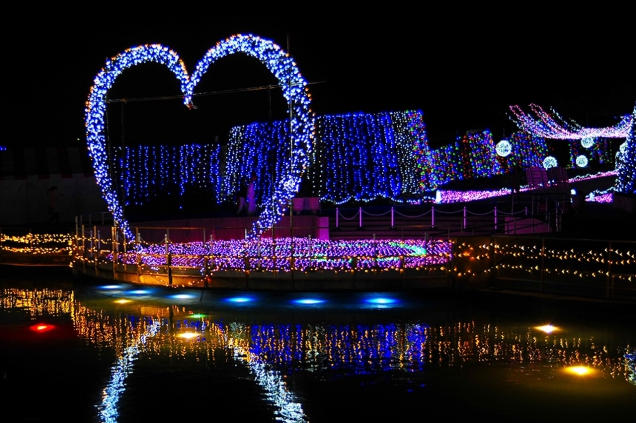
<point>77,350</point>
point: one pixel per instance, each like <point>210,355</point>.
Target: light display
<point>581,161</point>
<point>37,244</point>
<point>549,162</point>
<point>626,162</point>
<point>360,157</point>
<point>151,171</point>
<point>587,142</point>
<point>503,148</point>
<point>552,125</point>
<point>301,254</point>
<point>597,152</point>
<point>279,63</point>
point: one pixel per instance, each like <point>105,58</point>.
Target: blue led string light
<point>278,62</point>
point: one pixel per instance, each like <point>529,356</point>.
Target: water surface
<point>90,352</point>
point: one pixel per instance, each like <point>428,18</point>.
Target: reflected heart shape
<point>277,61</point>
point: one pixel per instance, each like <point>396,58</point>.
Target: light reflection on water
<point>305,357</point>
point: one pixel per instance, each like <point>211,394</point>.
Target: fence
<point>535,214</point>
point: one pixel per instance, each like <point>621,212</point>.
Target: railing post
<point>337,213</point>
<point>464,217</point>
<point>495,218</point>
<point>608,280</point>
<point>96,259</point>
<point>115,250</point>
<point>360,217</point>
<point>432,217</point>
<point>84,248</point>
<point>392,218</point>
<point>542,263</point>
<point>168,259</point>
<point>137,242</point>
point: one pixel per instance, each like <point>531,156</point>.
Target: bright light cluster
<point>581,161</point>
<point>278,62</point>
<point>626,162</point>
<point>302,254</point>
<point>503,148</point>
<point>551,125</point>
<point>549,162</point>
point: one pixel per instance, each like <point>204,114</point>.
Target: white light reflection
<point>116,387</point>
<point>110,287</point>
<point>183,296</point>
<point>289,411</point>
<point>547,328</point>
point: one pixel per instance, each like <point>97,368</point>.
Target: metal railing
<point>538,216</point>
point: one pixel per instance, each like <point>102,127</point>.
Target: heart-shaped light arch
<point>277,61</point>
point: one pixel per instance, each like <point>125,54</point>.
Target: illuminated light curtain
<point>626,162</point>
<point>155,171</point>
<point>262,148</point>
<point>446,164</point>
<point>478,156</point>
<point>359,156</point>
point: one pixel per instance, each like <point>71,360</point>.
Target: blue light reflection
<point>308,301</point>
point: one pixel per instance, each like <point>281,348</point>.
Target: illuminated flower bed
<point>303,254</point>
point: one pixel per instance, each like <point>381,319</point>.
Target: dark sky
<point>462,68</point>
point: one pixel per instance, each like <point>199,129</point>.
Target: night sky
<point>461,68</point>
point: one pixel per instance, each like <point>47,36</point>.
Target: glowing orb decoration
<point>587,142</point>
<point>549,162</point>
<point>547,328</point>
<point>503,148</point>
<point>277,61</point>
<point>581,161</point>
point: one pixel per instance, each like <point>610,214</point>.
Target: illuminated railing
<point>25,246</point>
<point>262,254</point>
<point>578,267</point>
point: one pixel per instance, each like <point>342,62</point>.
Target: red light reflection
<point>42,327</point>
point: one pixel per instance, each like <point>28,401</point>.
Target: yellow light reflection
<point>547,328</point>
<point>581,371</point>
<point>188,335</point>
<point>122,301</point>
